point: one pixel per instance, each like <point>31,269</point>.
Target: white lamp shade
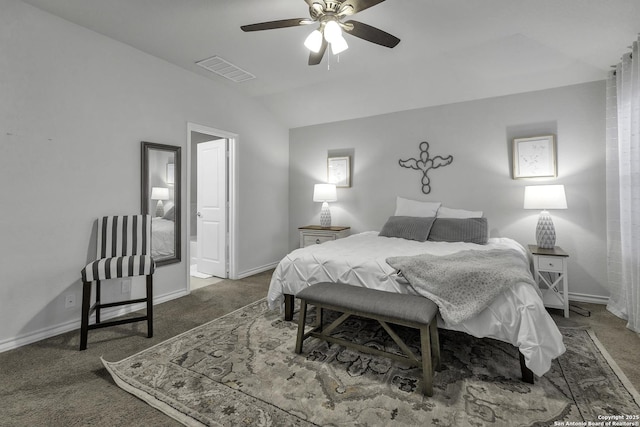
<point>313,41</point>
<point>332,31</point>
<point>324,193</point>
<point>339,44</point>
<point>544,197</point>
<point>159,193</point>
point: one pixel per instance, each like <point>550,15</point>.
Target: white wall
<point>74,107</point>
<point>478,134</point>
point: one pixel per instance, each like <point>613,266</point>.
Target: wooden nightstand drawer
<point>550,263</point>
<point>315,234</point>
<point>311,239</point>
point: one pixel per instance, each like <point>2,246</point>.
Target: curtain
<point>623,188</point>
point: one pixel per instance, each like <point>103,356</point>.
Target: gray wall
<point>478,134</point>
<point>74,107</point>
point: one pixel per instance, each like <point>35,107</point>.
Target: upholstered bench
<point>385,307</point>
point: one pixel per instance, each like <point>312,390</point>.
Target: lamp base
<point>545,231</point>
<point>325,215</point>
<point>160,208</point>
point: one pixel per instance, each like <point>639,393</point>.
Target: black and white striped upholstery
<point>123,250</point>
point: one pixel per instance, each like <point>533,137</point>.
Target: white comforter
<point>162,240</point>
<point>517,316</point>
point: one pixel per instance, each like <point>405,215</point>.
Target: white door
<point>212,207</point>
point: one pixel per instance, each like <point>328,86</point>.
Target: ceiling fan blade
<point>316,58</point>
<point>370,34</point>
<point>350,7</point>
<point>271,25</point>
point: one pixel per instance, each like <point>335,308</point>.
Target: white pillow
<point>445,212</point>
<point>407,207</point>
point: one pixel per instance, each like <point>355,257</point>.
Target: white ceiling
<point>451,50</point>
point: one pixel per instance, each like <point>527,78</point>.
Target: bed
<point>162,239</point>
<point>517,315</point>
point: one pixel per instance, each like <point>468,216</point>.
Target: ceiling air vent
<point>225,69</point>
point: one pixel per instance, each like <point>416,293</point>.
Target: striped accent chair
<point>123,250</point>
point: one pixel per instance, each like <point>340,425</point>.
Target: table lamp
<point>545,197</point>
<point>159,194</point>
<point>325,193</point>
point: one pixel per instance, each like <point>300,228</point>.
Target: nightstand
<point>315,234</point>
<point>550,273</point>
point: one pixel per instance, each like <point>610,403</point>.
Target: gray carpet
<point>51,383</point>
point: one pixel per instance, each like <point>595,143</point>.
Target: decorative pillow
<point>408,227</point>
<point>415,208</point>
<point>444,212</point>
<point>170,214</point>
<point>469,230</point>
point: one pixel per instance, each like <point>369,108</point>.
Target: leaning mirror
<point>161,199</point>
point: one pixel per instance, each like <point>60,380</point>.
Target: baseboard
<point>31,337</point>
<point>593,299</point>
<point>257,270</point>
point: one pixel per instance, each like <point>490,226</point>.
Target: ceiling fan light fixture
<point>332,31</point>
<point>313,41</point>
<point>339,45</point>
<point>329,15</point>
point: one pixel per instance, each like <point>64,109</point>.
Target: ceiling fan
<point>329,14</point>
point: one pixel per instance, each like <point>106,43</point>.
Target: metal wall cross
<point>425,164</point>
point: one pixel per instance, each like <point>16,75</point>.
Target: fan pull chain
<point>329,61</point>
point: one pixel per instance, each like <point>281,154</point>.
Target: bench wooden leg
<point>435,344</point>
<point>319,317</point>
<point>302,317</point>
<point>427,366</point>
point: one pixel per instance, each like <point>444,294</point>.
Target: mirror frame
<point>146,147</point>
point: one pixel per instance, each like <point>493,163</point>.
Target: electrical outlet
<point>125,285</point>
<point>70,301</point>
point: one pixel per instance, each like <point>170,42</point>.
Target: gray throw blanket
<point>464,283</point>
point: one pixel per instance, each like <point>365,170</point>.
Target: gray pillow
<point>408,227</point>
<point>469,230</point>
<point>171,214</point>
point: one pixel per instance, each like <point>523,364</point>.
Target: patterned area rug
<point>241,370</point>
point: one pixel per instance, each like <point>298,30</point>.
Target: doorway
<point>211,205</point>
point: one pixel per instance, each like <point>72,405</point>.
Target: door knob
<point>199,214</point>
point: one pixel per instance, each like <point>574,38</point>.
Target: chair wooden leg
<point>86,306</point>
<point>98,292</point>
<point>149,306</point>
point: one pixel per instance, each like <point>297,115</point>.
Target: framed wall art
<point>534,157</point>
<point>339,171</point>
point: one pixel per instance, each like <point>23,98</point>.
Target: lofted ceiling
<point>451,50</point>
